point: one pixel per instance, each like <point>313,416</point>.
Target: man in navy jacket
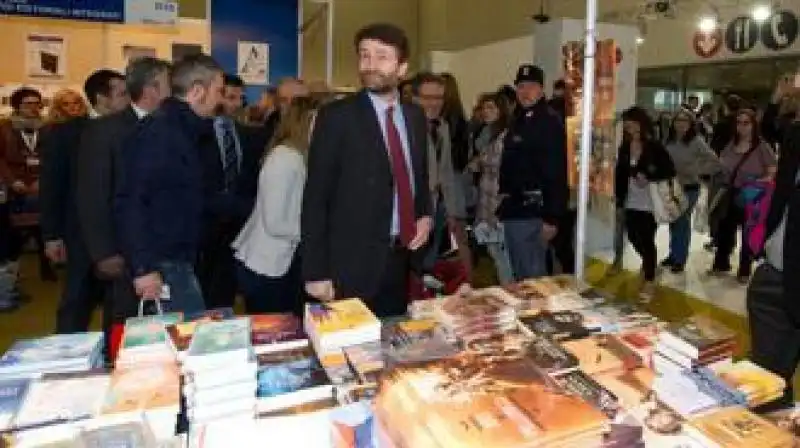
<point>159,202</point>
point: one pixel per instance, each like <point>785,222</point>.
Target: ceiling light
<point>761,13</point>
<point>707,24</point>
<point>639,40</point>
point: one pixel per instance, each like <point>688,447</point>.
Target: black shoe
<point>677,268</point>
<point>667,263</point>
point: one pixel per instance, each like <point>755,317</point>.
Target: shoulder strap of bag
<point>739,165</point>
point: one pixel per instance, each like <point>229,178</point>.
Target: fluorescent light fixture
<point>707,24</point>
<point>639,40</point>
<point>761,13</point>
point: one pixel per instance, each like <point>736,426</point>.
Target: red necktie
<point>402,180</point>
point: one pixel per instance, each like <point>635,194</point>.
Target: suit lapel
<point>373,128</point>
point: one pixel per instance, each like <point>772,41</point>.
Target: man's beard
<point>378,83</point>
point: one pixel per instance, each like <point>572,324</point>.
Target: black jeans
<point>82,293</point>
<point>774,334</point>
<point>216,267</point>
<point>641,228</point>
<point>262,294</point>
<point>726,242</point>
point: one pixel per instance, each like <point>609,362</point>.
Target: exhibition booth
<point>58,46</point>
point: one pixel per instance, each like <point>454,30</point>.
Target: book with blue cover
<point>12,394</point>
<point>291,377</point>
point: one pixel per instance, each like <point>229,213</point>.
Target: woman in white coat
<point>268,269</point>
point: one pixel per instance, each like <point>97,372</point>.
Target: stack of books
<point>483,401</point>
<point>151,390</point>
<point>28,358</point>
<point>181,332</point>
<point>367,361</point>
<point>758,385</point>
<point>477,314</point>
<point>146,341</point>
<point>698,341</point>
<point>220,372</point>
<point>332,326</point>
<point>274,332</point>
<point>291,378</point>
<point>415,341</point>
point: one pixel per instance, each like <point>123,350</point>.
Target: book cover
<point>631,388</point>
<point>701,333</point>
<point>289,371</point>
<point>143,334</point>
<point>367,360</point>
<point>275,328</point>
<point>143,388</point>
<point>751,379</point>
<point>740,428</point>
<point>474,305</point>
<point>339,315</point>
<point>12,394</point>
<point>581,385</point>
<point>338,369</point>
<point>165,319</point>
<point>52,348</point>
<point>216,337</point>
<point>550,356</point>
<point>481,401</point>
<point>181,334</point>
<point>211,315</point>
<point>559,326</point>
<point>602,353</point>
<point>130,434</point>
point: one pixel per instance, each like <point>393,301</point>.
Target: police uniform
<point>533,180</point>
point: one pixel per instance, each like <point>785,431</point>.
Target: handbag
<point>669,200</point>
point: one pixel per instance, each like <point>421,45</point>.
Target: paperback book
<point>12,394</point>
<point>291,377</point>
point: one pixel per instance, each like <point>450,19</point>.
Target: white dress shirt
<point>267,243</point>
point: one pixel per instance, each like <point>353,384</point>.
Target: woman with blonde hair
<point>268,270</point>
<point>66,104</point>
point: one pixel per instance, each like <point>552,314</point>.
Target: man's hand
<point>148,287</point>
<point>19,187</point>
<point>55,251</point>
<point>784,87</point>
<point>549,232</point>
<point>424,226</point>
<point>111,267</point>
<point>321,290</point>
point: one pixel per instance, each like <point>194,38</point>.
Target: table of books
<point>535,364</point>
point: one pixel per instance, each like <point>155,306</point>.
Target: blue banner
<point>90,10</point>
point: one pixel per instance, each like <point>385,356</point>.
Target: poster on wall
<point>253,62</point>
<point>151,12</point>
<point>46,56</point>
<point>130,52</point>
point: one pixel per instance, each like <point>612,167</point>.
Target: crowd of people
<point>166,187</point>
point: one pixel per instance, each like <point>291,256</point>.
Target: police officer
<point>533,176</point>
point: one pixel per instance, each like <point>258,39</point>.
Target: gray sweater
<point>693,160</point>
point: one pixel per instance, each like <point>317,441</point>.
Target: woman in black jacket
<point>642,159</point>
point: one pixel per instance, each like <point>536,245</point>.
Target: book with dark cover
<point>276,328</point>
<point>550,356</point>
<point>697,335</point>
<point>559,326</point>
<point>581,385</point>
<point>211,315</point>
<point>288,371</point>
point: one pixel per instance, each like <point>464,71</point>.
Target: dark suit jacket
<point>234,205</point>
<point>347,206</point>
<point>60,144</point>
<point>98,171</point>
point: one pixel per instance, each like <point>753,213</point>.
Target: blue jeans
<point>680,231</point>
<point>184,289</point>
<point>526,249</point>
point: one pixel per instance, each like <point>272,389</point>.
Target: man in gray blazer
<point>445,184</point>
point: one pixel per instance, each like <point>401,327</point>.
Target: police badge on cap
<point>529,73</point>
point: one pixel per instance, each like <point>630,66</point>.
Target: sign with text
<point>91,10</point>
<point>741,35</point>
<point>151,12</point>
<point>779,31</point>
<point>706,45</point>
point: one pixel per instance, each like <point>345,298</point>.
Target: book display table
<point>536,364</point>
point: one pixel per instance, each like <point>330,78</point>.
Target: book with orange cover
<point>143,388</point>
<point>738,428</point>
<point>478,401</point>
<point>631,388</point>
<point>602,353</point>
